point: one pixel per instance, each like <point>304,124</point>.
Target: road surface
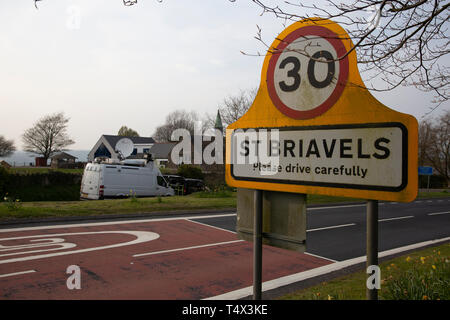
<point>191,257</point>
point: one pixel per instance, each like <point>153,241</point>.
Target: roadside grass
<point>43,209</point>
<point>421,275</point>
<point>219,199</point>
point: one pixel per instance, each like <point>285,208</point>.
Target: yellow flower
<point>439,253</point>
<point>422,259</point>
<point>392,264</point>
<point>330,297</point>
<point>408,259</point>
<point>424,298</point>
<point>434,267</point>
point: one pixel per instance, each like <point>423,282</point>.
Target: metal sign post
<point>257,246</point>
<point>372,243</point>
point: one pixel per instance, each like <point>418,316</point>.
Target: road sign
<point>314,128</point>
<point>299,85</point>
<point>425,171</point>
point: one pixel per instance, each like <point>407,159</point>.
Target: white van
<point>122,179</point>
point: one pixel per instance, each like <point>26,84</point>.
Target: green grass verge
<point>201,200</point>
<point>421,275</point>
<point>18,210</point>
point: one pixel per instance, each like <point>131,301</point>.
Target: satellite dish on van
<point>124,147</point>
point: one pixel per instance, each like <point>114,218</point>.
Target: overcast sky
<point>106,65</point>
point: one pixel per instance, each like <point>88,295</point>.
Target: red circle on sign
<point>337,44</point>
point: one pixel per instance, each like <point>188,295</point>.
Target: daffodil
<point>422,259</point>
<point>408,259</point>
<point>434,267</point>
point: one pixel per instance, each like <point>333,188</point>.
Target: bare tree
<point>176,120</point>
<point>434,144</point>
<point>234,107</point>
<point>6,147</point>
<point>127,132</point>
<point>47,136</point>
<point>425,139</point>
<point>403,42</point>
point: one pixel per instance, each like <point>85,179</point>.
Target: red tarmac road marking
<point>184,262</point>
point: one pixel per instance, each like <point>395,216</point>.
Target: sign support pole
<point>372,242</point>
<point>257,246</point>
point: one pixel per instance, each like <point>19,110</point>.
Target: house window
<point>146,150</point>
<point>134,152</point>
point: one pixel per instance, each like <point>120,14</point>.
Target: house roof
<point>112,140</point>
<point>161,150</point>
<point>63,155</point>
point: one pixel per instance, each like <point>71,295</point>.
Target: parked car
<point>109,180</point>
<point>194,185</point>
<point>178,183</point>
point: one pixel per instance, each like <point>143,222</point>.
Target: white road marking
<point>438,213</point>
<point>336,207</point>
<point>283,281</point>
<point>16,273</point>
<point>343,206</point>
<point>218,228</point>
<point>417,201</point>
<point>315,255</point>
<point>186,248</point>
<point>331,227</point>
<point>397,218</point>
<point>111,223</point>
<point>141,236</point>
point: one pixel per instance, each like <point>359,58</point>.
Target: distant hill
<point>22,158</point>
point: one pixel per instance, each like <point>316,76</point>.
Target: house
<point>161,153</point>
<point>62,160</point>
<point>106,146</point>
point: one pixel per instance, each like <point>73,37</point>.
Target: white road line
<point>397,218</point>
<point>204,224</point>
<point>331,227</point>
<point>16,273</point>
<point>336,207</point>
<point>315,255</point>
<point>283,281</point>
<point>417,201</point>
<point>93,224</point>
<point>437,213</point>
<point>186,248</point>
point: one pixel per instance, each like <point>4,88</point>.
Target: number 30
<point>294,72</point>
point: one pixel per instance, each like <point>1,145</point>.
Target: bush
<point>4,179</point>
<point>190,171</point>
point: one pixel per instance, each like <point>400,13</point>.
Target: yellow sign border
<point>356,105</point>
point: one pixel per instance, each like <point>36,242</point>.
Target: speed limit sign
<point>307,72</point>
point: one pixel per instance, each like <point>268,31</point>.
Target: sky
<point>106,65</point>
